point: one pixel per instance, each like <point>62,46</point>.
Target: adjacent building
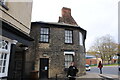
<point>15,21</point>
<point>56,45</point>
<point>92,60</point>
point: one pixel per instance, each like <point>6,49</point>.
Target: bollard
<point>56,77</point>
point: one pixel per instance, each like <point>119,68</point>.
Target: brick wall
<point>91,61</point>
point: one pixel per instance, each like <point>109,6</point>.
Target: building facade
<point>15,21</point>
<point>55,46</point>
<point>92,60</point>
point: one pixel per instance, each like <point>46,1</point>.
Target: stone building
<point>56,45</point>
<point>15,23</point>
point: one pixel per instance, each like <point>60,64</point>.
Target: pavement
<point>96,76</point>
<point>93,76</point>
<point>110,77</point>
<point>89,76</point>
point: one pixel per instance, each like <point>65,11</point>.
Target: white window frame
<point>80,39</point>
<point>69,36</point>
<point>4,1</point>
<point>69,53</point>
<point>44,35</point>
<point>7,59</point>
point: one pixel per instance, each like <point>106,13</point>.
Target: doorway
<point>44,67</point>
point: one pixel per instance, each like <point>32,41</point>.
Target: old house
<point>15,21</point>
<point>56,45</point>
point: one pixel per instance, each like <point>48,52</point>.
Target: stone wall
<point>54,50</point>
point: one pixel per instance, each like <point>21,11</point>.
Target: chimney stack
<point>66,17</point>
<point>66,11</point>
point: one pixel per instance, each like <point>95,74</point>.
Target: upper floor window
<point>44,34</point>
<point>80,39</point>
<point>68,36</point>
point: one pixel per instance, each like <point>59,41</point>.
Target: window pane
<point>0,69</point>
<point>2,56</point>
<point>0,44</point>
<point>3,70</point>
<point>4,63</point>
<point>80,38</point>
<point>69,63</point>
<point>41,32</point>
<point>66,64</point>
<point>46,38</point>
<point>71,59</point>
<point>1,62</point>
<point>70,40</point>
<point>41,37</point>
<point>3,44</point>
<point>44,30</point>
<point>5,56</point>
<point>68,60</point>
<point>70,32</point>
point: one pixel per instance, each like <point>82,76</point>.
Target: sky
<point>98,17</point>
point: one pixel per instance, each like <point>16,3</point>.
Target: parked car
<point>87,67</point>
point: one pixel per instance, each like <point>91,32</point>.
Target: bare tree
<point>104,47</point>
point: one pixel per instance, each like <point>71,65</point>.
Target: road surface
<point>106,70</point>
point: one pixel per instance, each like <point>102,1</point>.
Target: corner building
<point>56,45</point>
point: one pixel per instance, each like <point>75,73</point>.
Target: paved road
<point>106,70</point>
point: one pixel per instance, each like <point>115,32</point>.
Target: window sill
<point>4,6</point>
<point>69,43</point>
<point>43,42</point>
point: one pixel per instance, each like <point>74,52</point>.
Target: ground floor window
<point>4,57</point>
<point>68,60</point>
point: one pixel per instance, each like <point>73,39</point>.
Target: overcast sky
<point>98,17</point>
